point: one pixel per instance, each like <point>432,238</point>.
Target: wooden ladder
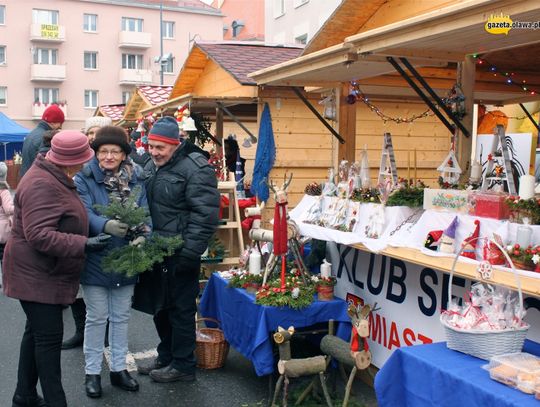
<point>388,161</point>
<point>506,164</point>
<point>232,223</point>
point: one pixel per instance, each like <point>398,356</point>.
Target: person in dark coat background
<point>43,260</point>
<point>183,198</point>
<point>109,177</point>
<point>52,119</point>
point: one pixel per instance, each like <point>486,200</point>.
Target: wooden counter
<point>529,285</point>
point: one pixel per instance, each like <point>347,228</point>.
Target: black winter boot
<point>78,309</point>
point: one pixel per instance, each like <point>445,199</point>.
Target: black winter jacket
<point>183,198</point>
<point>31,145</point>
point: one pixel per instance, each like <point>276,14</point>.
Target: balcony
<point>47,33</point>
<point>133,39</point>
<point>49,73</point>
<point>39,108</point>
<point>135,76</point>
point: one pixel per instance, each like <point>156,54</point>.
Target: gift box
<point>489,205</point>
<point>450,200</point>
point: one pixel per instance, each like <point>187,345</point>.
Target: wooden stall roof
<point>143,97</point>
<point>200,103</point>
<point>446,35</point>
<point>237,59</point>
<point>115,112</point>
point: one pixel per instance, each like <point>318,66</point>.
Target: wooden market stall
<point>144,97</point>
<point>114,112</point>
<point>384,50</point>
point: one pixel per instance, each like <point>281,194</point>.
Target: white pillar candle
<point>523,236</point>
<point>326,269</point>
<point>526,186</point>
<point>255,263</point>
<point>476,172</point>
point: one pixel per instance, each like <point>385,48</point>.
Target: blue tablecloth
<point>433,375</point>
<point>247,326</point>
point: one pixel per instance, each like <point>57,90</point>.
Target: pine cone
<point>313,189</point>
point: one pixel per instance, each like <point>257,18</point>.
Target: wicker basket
<point>485,344</point>
<point>212,348</point>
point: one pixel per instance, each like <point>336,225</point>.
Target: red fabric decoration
<point>280,228</point>
<point>355,342</point>
<point>470,252</point>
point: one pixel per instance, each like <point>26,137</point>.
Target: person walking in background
<point>109,177</point>
<point>184,200</point>
<point>93,124</point>
<point>43,260</point>
<point>78,308</point>
<point>52,119</point>
<point>6,211</point>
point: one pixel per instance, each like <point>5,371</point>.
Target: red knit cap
<point>53,114</point>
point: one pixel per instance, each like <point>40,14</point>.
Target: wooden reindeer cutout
<point>288,367</point>
<point>284,235</point>
<point>355,354</point>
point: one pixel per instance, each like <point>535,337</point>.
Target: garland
<point>296,294</point>
<point>133,260</point>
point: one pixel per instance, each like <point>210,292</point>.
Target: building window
<point>3,95</point>
<point>168,29</point>
<point>90,22</point>
<point>91,98</point>
<point>2,54</point>
<point>132,61</point>
<point>2,15</point>
<point>126,95</point>
<point>298,3</point>
<point>44,16</point>
<point>279,8</point>
<point>132,24</point>
<point>168,65</point>
<point>46,95</point>
<point>301,39</point>
<point>90,60</point>
<point>45,56</point>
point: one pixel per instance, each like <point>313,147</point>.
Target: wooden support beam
<point>347,126</point>
<point>464,144</point>
<point>219,124</point>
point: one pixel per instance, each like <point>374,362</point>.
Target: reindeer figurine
<point>285,235</point>
<point>289,367</point>
<point>356,353</point>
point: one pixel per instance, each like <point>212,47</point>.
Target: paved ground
<point>234,385</point>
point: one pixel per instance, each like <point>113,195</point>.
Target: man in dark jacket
<point>52,119</point>
<point>183,199</point>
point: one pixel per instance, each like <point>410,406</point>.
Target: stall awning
<point>437,38</point>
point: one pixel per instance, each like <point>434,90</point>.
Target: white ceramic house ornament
<point>450,169</point>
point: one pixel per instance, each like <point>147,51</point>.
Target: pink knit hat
<point>69,147</point>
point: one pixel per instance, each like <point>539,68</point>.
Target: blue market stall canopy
<point>12,136</point>
<point>11,131</point>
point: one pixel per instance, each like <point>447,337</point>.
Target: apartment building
<point>243,19</point>
<point>295,21</point>
<point>85,53</point>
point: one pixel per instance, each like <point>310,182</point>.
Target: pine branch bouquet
<point>243,279</point>
<point>296,295</point>
<point>366,195</point>
<point>524,208</point>
<point>133,260</point>
<point>407,194</point>
<point>324,281</point>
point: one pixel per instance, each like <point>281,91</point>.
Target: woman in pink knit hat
<point>43,260</point>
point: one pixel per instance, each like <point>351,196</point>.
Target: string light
<point>508,76</point>
<point>356,94</point>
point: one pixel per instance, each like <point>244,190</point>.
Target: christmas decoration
<point>407,194</point>
<point>448,237</point>
<point>433,239</point>
<point>469,244</point>
<point>132,260</point>
<point>313,189</point>
<point>295,293</point>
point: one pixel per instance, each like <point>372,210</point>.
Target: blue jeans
<point>104,303</point>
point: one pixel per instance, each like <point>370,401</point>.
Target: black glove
<point>97,243</point>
